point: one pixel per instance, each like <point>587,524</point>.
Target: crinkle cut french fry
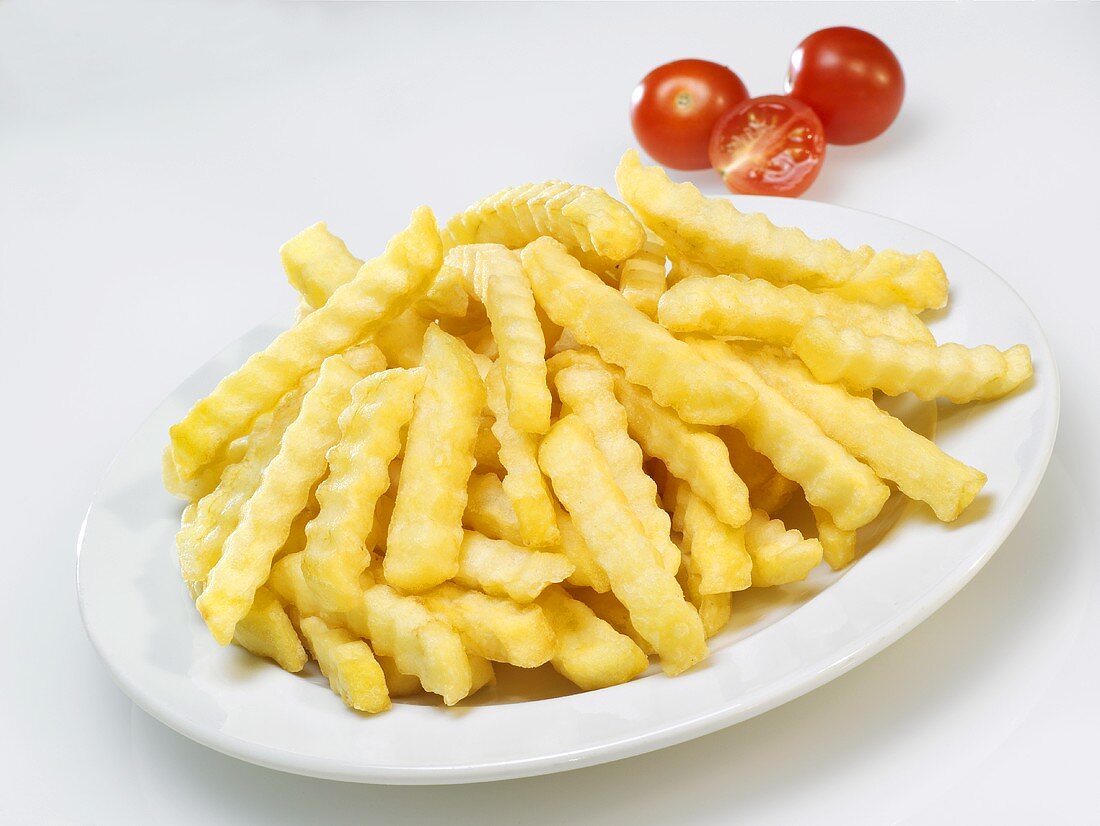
<point>425,537</point>
<point>589,651</point>
<point>397,626</point>
<point>502,569</point>
<point>769,490</point>
<point>348,662</point>
<point>282,494</point>
<point>690,453</point>
<point>837,546</point>
<point>266,630</point>
<point>614,613</point>
<point>589,391</point>
<point>919,468</point>
<point>717,550</point>
<point>715,609</point>
<point>714,232</point>
<point>199,542</point>
<point>370,428</point>
<point>681,268</point>
<point>642,277</point>
<point>726,306</point>
<point>383,288</point>
<point>317,263</point>
<point>523,480</point>
<point>778,555</point>
<point>496,277</point>
<point>831,477</point>
<point>600,317</point>
<point>951,371</point>
<point>494,628</point>
<point>587,220</point>
<point>208,479</point>
<point>584,484</point>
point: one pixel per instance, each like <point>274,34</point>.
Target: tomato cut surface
<point>674,109</point>
<point>770,145</point>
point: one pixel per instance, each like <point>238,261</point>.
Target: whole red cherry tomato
<point>674,109</point>
<point>851,79</point>
<point>770,145</point>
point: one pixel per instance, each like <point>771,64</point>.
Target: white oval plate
<point>782,643</point>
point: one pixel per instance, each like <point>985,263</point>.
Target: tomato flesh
<point>770,145</point>
<point>674,109</point>
<point>851,79</point>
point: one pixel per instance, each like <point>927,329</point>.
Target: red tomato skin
<point>780,158</point>
<point>851,79</point>
<point>674,108</point>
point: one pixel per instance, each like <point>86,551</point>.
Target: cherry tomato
<point>674,109</point>
<point>851,79</point>
<point>772,145</point>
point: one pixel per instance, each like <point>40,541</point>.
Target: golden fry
<point>753,308</point>
<point>584,484</point>
<point>717,550</point>
<point>502,569</point>
<point>600,317</point>
<point>266,630</point>
<point>589,391</point>
<point>283,492</point>
<point>349,664</point>
<point>837,546</point>
<point>589,652</point>
<point>335,550</point>
<point>769,490</point>
<point>778,555</point>
<point>715,609</point>
<point>614,613</point>
<point>317,263</point>
<point>642,277</point>
<point>425,536</point>
<point>714,232</point>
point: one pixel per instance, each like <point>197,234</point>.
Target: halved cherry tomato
<point>771,145</point>
<point>851,79</point>
<point>674,109</point>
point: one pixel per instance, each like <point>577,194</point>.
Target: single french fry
<point>267,631</point>
<point>778,555</point>
<point>283,492</point>
<point>642,277</point>
<point>717,550</point>
<point>831,477</point>
<point>382,289</point>
<point>712,231</point>
<point>370,428</point>
<point>769,490</point>
<point>588,651</point>
<point>348,662</point>
<point>318,263</point>
<point>425,535</point>
<point>587,220</point>
<point>584,484</point>
<point>715,609</point>
<point>837,546</point>
<point>518,453</point>
<point>589,390</point>
<point>919,468</point>
<point>951,371</point>
<point>600,317</point>
<point>587,571</point>
<point>494,628</point>
<point>502,569</point>
<point>754,308</point>
<point>494,274</point>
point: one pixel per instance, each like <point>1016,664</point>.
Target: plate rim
<point>860,649</point>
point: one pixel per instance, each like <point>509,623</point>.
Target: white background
<point>154,156</point>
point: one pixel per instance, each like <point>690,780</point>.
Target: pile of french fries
<point>558,431</point>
